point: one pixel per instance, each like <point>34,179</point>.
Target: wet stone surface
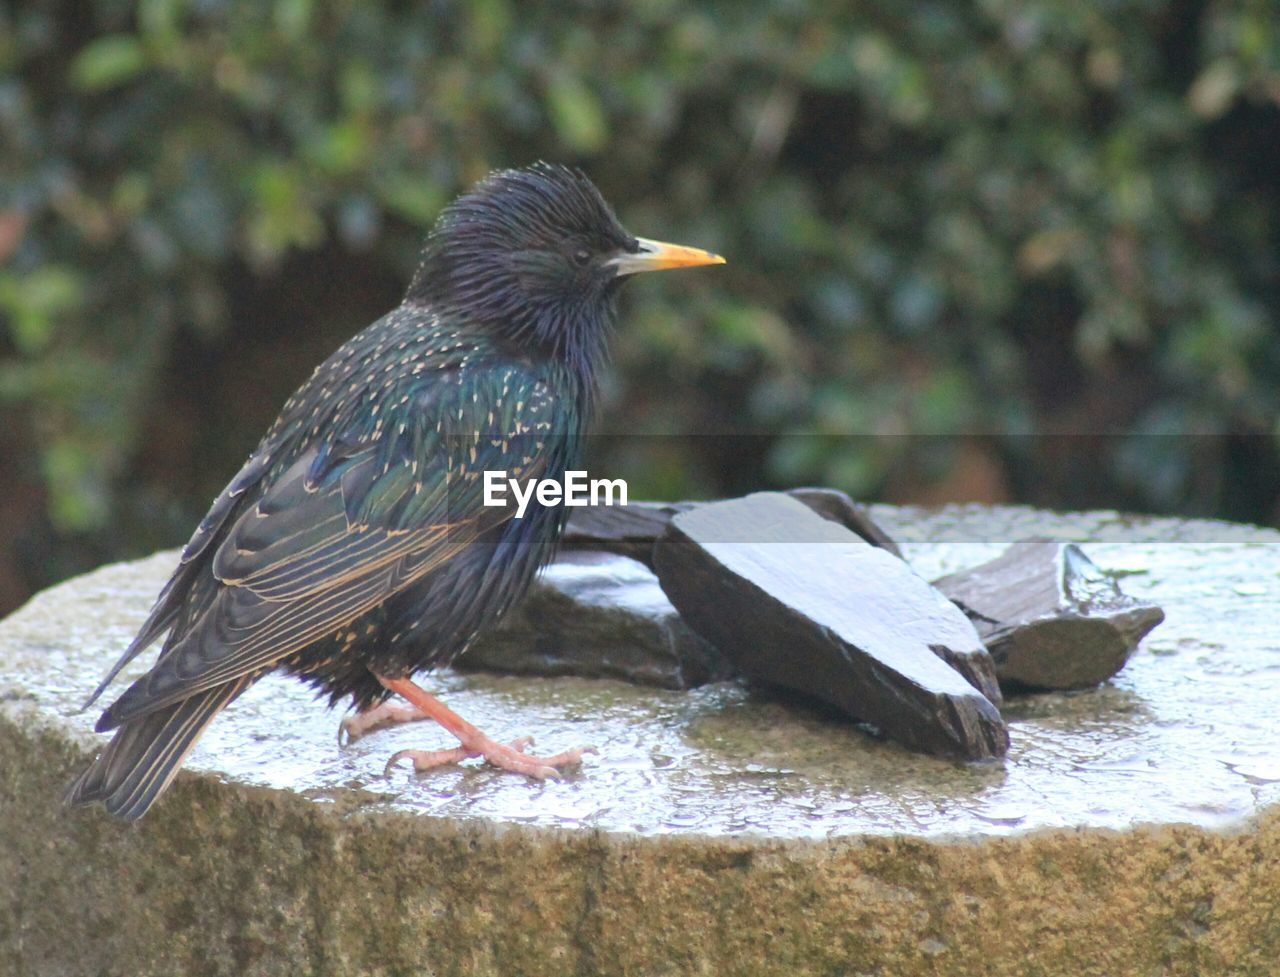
<point>1185,733</point>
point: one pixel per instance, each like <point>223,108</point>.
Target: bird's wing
<point>352,521</point>
<point>165,610</point>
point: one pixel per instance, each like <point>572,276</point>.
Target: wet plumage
<point>353,548</point>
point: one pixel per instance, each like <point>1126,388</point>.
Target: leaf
<point>34,303</point>
<point>107,62</point>
<point>284,214</point>
<point>415,198</point>
<point>77,489</point>
<point>160,18</point>
<point>576,114</point>
<point>490,25</point>
<point>293,17</point>
<point>1214,90</point>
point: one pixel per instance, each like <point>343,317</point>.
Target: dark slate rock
<point>801,602</point>
<point>838,507</point>
<point>1050,618</point>
<point>599,615</point>
<point>632,529</point>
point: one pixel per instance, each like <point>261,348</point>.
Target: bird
<point>354,548</point>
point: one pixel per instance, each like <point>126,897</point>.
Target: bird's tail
<point>145,753</point>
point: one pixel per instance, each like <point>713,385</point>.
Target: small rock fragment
<point>598,615</point>
<point>1049,616</point>
<point>628,530</point>
<point>632,529</point>
<point>801,602</point>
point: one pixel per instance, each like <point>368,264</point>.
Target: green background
<point>981,251</point>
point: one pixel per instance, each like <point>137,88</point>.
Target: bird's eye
<point>581,257</point>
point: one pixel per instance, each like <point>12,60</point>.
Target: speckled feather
<point>354,539</point>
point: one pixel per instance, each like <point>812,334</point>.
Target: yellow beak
<point>657,255</point>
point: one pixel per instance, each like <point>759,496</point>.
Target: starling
<point>354,548</point>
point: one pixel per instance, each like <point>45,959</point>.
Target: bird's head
<point>535,256</point>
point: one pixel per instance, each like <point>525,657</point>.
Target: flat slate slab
<point>800,602</point>
<point>1132,829</point>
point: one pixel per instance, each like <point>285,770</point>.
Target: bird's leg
<point>474,743</point>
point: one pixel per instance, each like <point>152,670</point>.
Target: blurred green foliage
<point>1049,223</point>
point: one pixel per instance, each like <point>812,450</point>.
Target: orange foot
<point>377,717</point>
<point>423,705</point>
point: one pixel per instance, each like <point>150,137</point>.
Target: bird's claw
<point>506,756</point>
<point>427,759</point>
<point>375,718</point>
